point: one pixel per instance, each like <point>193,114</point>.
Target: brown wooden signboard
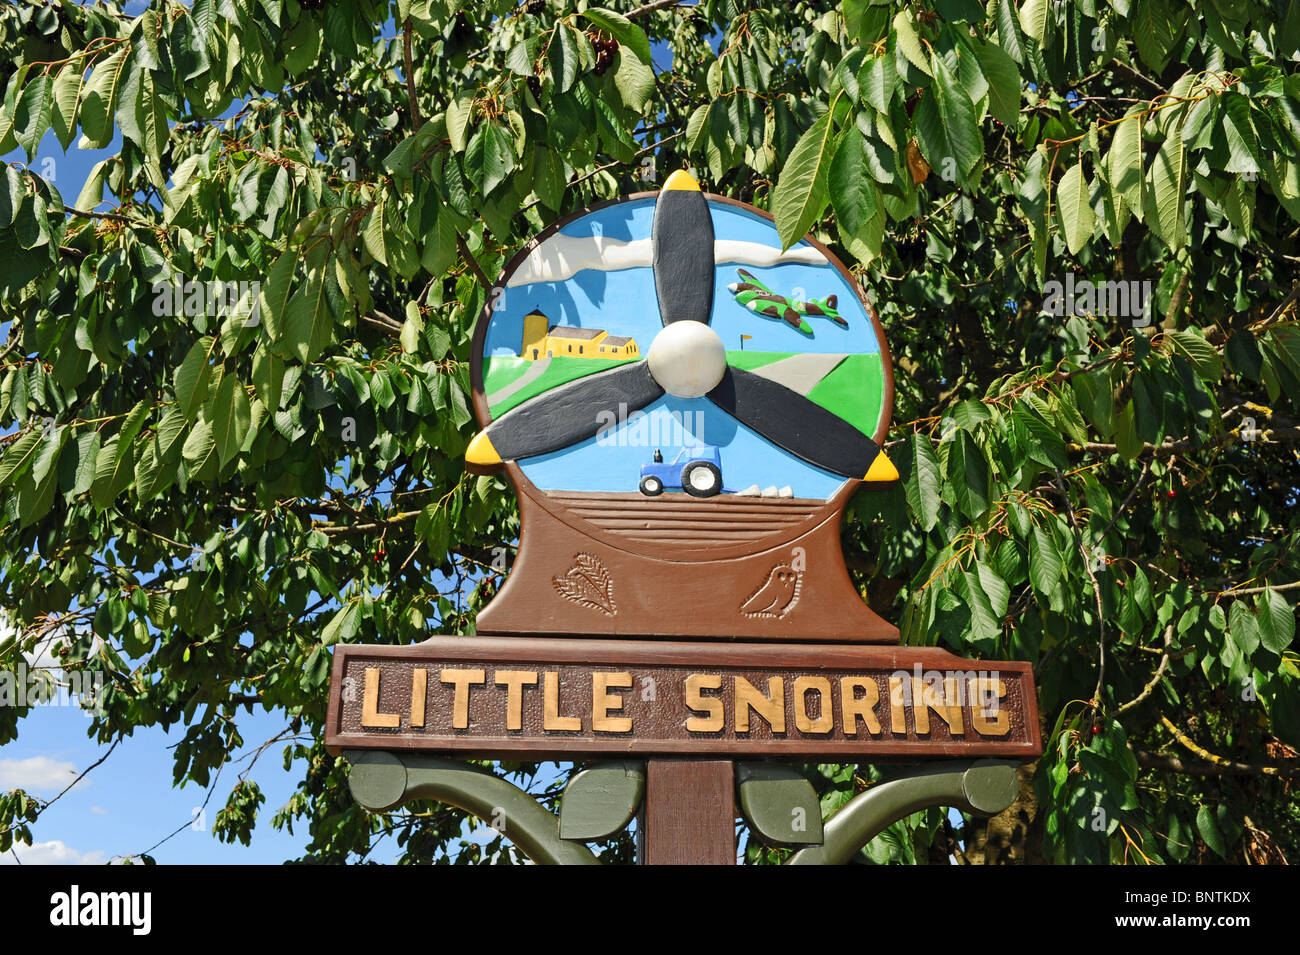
<point>581,698</point>
<point>685,407</point>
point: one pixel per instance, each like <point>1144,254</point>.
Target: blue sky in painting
<point>624,302</point>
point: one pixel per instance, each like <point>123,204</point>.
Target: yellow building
<point>544,340</point>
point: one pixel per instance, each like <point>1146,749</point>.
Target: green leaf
<point>1009,31</point>
<point>92,191</point>
<point>343,626</point>
<point>192,376</point>
<point>1209,830</point>
<point>563,57</point>
<point>946,127</point>
<point>1077,218</point>
<point>32,115</point>
<point>316,671</point>
<point>909,43</point>
<point>132,425</point>
<point>1243,628</point>
<point>434,529</point>
<point>412,329</point>
<point>1125,165</point>
<point>1045,564</point>
<point>968,473</point>
<point>853,193</point>
<point>1169,176</point>
<point>1033,19</point>
<point>169,431</point>
<point>876,82</point>
<point>373,236</point>
<point>1203,356</point>
<point>66,94</point>
<point>1004,82</point>
<point>459,112</point>
<point>489,157</point>
<point>801,192</point>
<point>1155,32</point>
<point>114,469</point>
<point>11,195</point>
<point>48,453</point>
<point>309,324</point>
<point>621,29</point>
<point>99,100</point>
<point>19,456</point>
<point>152,475</point>
<point>634,80</point>
<point>1276,620</point>
<point>199,443</point>
<point>228,411</point>
<point>924,482</point>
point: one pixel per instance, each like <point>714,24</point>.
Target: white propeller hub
<point>687,359</point>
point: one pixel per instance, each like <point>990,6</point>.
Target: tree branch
<point>1227,766</point>
<point>1224,768</point>
<point>472,263</point>
<point>650,8</point>
<point>1156,678</point>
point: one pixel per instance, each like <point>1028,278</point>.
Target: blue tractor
<point>696,470</point>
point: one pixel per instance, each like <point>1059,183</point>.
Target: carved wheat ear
<point>588,584</point>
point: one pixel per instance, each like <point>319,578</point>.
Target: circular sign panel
<point>662,355</point>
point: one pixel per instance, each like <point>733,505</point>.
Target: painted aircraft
<point>761,300</point>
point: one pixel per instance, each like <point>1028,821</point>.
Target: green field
<point>500,372</point>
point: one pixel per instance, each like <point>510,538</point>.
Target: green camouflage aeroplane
<point>761,300</point>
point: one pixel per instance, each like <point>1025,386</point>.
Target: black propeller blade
<point>566,415</point>
<point>682,238</point>
<point>796,423</point>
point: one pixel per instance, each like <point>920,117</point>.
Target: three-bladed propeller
<point>688,360</point>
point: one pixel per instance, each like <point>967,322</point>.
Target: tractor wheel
<point>701,479</point>
<point>651,486</point>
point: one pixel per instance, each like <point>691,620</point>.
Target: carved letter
<point>696,683</point>
<point>551,719</point>
<point>462,680</point>
<point>370,715</point>
<point>603,701</point>
<point>852,707</point>
<point>514,681</point>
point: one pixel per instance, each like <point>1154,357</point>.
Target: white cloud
<point>53,852</point>
<point>37,773</point>
<point>99,810</point>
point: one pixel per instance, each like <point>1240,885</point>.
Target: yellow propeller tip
<point>882,469</point>
<point>481,452</point>
<point>682,181</point>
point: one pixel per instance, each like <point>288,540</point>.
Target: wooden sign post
<point>679,610</point>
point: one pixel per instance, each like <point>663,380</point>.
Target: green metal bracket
<point>381,779</point>
<point>780,804</point>
<point>601,799</point>
<point>985,787</point>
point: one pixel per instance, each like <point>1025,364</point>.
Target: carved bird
<point>776,596</point>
